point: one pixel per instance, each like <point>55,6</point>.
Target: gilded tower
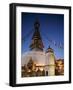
<point>36,43</point>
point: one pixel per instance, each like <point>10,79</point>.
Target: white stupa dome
<point>38,57</point>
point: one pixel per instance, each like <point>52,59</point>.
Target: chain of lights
<point>52,42</point>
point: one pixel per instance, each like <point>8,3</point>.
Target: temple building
<point>38,62</point>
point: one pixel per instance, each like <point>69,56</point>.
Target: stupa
<point>43,60</point>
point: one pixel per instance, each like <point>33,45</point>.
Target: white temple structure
<point>43,60</point>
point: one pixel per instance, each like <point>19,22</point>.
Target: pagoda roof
<point>49,50</point>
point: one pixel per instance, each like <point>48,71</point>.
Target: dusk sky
<point>51,28</point>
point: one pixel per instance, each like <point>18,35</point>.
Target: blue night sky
<point>51,30</point>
